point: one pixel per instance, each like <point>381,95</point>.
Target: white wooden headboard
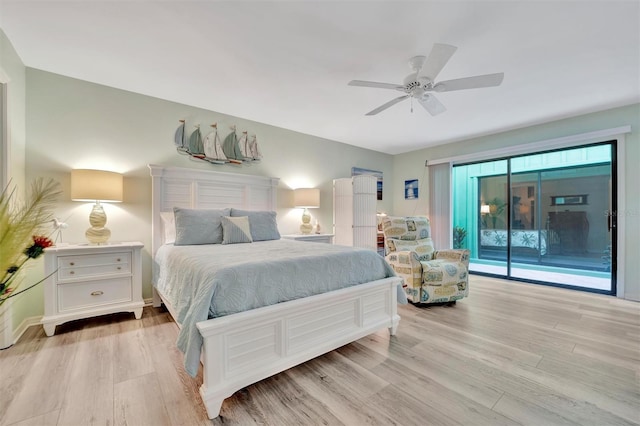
<point>205,189</point>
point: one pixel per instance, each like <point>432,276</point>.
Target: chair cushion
<point>443,272</point>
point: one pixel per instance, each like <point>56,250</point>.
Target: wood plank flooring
<point>509,354</point>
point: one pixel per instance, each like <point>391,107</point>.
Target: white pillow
<point>168,227</point>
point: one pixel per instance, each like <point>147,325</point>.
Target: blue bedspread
<point>208,281</point>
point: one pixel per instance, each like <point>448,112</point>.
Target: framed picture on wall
<point>359,171</point>
<point>567,200</point>
<point>411,189</point>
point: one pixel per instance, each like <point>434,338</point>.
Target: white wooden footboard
<point>244,348</point>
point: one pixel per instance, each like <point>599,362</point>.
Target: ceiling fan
<point>421,81</point>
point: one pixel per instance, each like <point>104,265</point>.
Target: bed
<point>530,242</point>
<point>241,348</point>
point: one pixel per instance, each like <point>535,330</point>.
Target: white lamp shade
<point>485,208</point>
<point>96,185</point>
<point>306,197</point>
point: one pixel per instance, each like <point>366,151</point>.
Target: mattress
<point>533,239</point>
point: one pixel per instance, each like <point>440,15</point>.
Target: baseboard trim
<point>24,325</point>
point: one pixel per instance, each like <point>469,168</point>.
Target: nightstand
<point>91,280</point>
<point>316,238</point>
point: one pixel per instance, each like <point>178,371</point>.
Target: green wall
<point>77,124</point>
<point>12,68</point>
<point>411,165</point>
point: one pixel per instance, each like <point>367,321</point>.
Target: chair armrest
<point>407,266</point>
<point>458,255</point>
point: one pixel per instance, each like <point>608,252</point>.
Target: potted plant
<point>459,234</point>
<point>21,225</point>
<point>496,209</point>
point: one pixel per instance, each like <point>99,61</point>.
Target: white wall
<point>76,124</point>
<point>409,165</point>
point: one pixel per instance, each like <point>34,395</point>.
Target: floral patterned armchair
<point>430,276</point>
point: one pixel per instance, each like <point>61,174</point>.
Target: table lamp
<point>99,186</point>
<point>306,198</point>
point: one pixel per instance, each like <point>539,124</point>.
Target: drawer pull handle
<point>71,263</point>
<point>71,272</point>
<point>119,267</point>
<point>118,260</point>
<point>97,293</point>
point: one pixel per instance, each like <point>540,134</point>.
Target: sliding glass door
<point>541,217</point>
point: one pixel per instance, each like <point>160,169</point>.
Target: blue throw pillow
<point>262,223</point>
<point>198,226</point>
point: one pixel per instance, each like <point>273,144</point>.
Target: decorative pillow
<point>236,230</point>
<point>198,226</point>
<point>262,223</point>
<point>168,227</point>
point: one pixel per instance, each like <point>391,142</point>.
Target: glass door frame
<point>612,217</point>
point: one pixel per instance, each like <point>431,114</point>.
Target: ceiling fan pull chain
<point>411,104</point>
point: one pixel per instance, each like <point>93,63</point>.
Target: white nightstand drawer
<point>94,259</point>
<point>73,296</point>
<point>76,267</point>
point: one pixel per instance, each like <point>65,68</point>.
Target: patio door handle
<point>610,220</point>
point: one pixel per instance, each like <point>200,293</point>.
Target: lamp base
<point>306,226</point>
<point>98,235</point>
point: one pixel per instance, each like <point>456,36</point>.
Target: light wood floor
<point>509,354</point>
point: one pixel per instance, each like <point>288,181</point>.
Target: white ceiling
<point>288,63</point>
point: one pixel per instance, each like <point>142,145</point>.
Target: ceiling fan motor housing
<point>414,86</point>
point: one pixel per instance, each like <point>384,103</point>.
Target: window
<point>541,217</point>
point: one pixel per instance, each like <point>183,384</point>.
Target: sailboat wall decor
<point>256,155</point>
<point>179,138</point>
<point>212,147</point>
<point>243,144</point>
<point>231,147</point>
<point>232,150</point>
<point>196,147</point>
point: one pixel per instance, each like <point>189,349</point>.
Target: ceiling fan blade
<point>438,58</point>
<point>432,104</point>
<point>487,80</point>
<point>375,84</point>
<point>387,105</point>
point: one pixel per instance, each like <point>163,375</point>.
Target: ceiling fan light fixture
<point>418,92</point>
